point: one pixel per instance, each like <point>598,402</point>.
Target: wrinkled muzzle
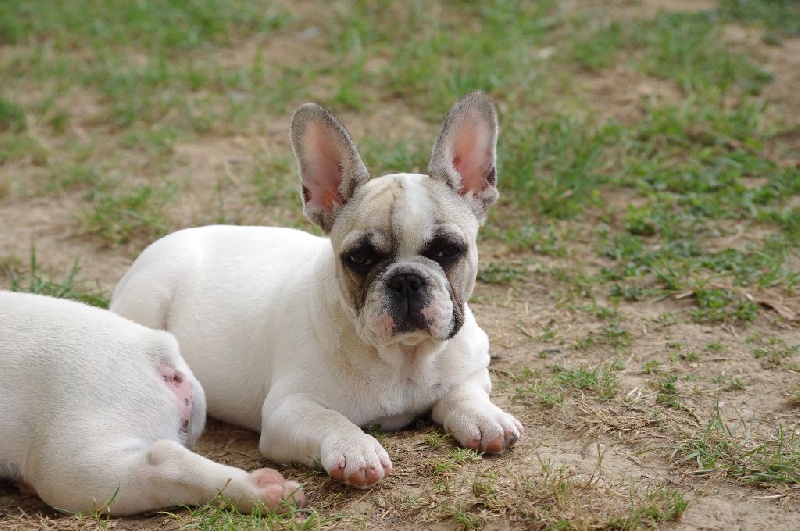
<point>407,304</point>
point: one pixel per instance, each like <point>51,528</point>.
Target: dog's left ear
<point>330,166</point>
<point>465,152</point>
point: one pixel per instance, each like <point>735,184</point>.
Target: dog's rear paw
<point>492,431</point>
<point>360,461</point>
<point>275,492</point>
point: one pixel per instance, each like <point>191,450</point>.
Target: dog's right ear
<point>330,166</point>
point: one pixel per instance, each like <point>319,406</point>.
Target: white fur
<point>309,339</point>
<point>88,422</point>
<point>259,319</point>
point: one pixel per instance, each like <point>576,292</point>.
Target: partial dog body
<point>99,413</point>
<point>307,338</point>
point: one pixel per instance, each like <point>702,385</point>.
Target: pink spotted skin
<point>438,315</point>
<point>182,389</point>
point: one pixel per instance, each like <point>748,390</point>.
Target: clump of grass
<point>221,515</point>
<point>685,47</point>
<point>559,164</point>
<point>778,18</point>
<point>492,273</point>
<point>772,351</point>
<point>33,280</point>
<point>555,499</point>
<point>660,504</point>
<point>12,117</point>
<point>731,448</point>
<point>549,389</point>
<point>456,458</point>
<point>718,305</point>
<point>668,392</point>
<point>119,217</point>
<point>611,334</point>
<point>727,383</point>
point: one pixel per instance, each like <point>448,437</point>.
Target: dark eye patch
<point>444,250</point>
<point>361,258</point>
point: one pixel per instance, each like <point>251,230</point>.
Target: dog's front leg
<point>467,413</point>
<point>299,429</point>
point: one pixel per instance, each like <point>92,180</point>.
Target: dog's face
<point>406,259</point>
<point>404,244</point>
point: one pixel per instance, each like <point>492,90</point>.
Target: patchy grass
<point>219,515</point>
<point>118,217</point>
<point>778,18</point>
<point>30,278</point>
<point>641,265</point>
<point>732,448</point>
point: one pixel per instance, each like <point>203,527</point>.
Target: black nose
<point>406,284</point>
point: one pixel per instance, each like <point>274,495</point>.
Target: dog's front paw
<point>488,429</point>
<point>359,461</point>
<point>275,492</point>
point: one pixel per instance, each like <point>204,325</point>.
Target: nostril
<point>405,283</point>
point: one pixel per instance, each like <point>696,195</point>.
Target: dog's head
<point>404,244</point>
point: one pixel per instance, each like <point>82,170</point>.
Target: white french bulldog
<point>98,413</point>
<point>307,338</point>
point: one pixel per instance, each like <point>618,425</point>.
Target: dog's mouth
<point>408,306</point>
<point>417,308</point>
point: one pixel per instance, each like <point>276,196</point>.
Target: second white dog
<point>99,413</point>
<point>308,339</point>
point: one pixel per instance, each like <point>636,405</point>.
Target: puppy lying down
<point>100,413</point>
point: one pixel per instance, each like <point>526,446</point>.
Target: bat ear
<point>330,166</point>
<point>465,152</point>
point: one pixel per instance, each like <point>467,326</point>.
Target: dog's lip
<point>411,339</point>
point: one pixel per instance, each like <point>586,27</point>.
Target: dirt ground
<point>602,450</point>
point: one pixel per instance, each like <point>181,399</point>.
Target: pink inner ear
<point>472,156</point>
<point>322,173</point>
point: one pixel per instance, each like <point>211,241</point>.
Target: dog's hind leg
<point>165,474</point>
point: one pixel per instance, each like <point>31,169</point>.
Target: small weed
<point>435,439</point>
<point>34,280</point>
<point>600,380</point>
<point>662,504</point>
<point>483,487</point>
<point>715,346</point>
<point>611,334</point>
<point>652,367</point>
<point>456,458</point>
<point>542,390</point>
<point>691,356</point>
<point>548,334</point>
<point>668,392</point>
<point>466,520</point>
<point>727,383</point>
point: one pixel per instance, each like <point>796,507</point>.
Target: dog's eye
<point>360,259</point>
<point>446,253</point>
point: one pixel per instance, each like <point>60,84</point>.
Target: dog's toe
<point>275,492</point>
<point>360,462</point>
